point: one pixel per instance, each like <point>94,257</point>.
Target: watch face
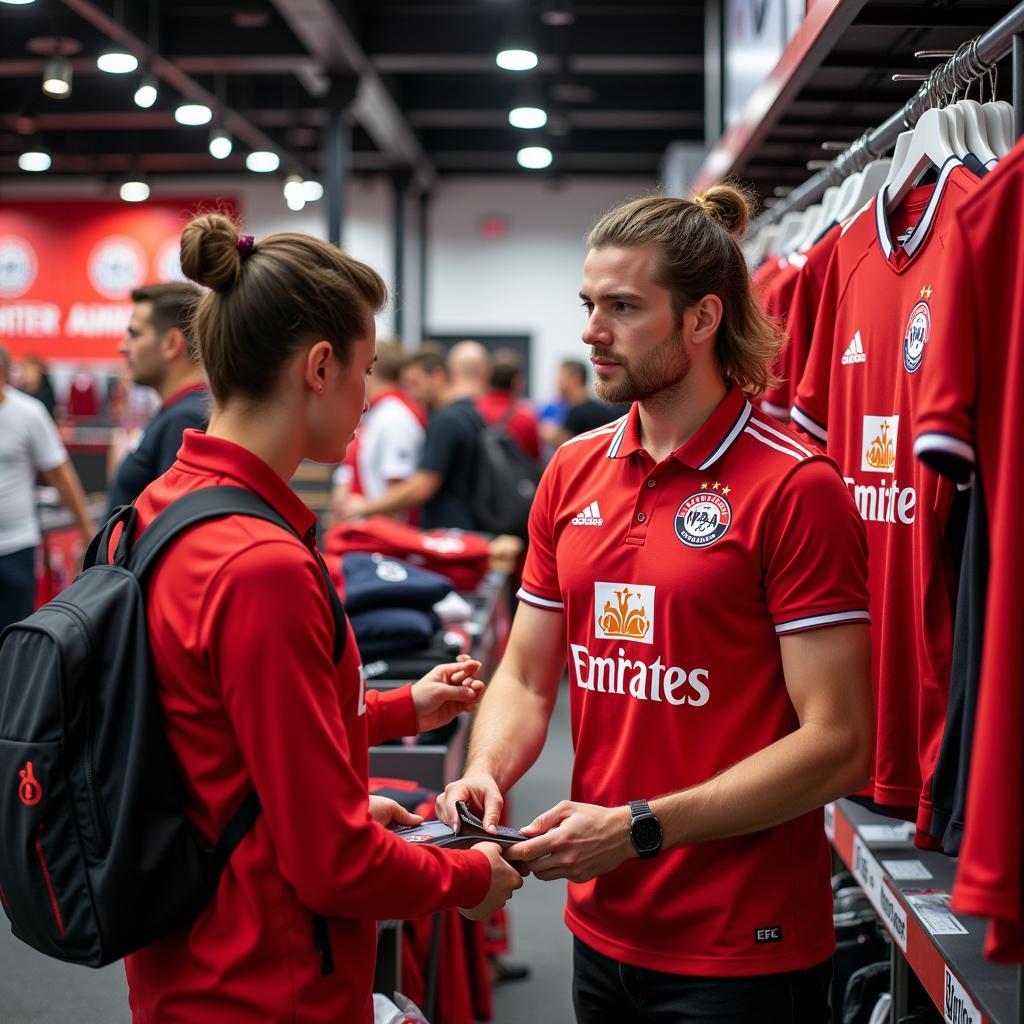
<point>646,834</point>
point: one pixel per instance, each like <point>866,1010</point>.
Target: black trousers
<point>605,991</point>
<point>17,585</point>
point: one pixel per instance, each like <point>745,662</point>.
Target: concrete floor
<point>37,990</point>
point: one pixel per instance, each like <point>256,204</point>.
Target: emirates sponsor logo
<point>854,352</point>
<point>624,613</point>
<point>641,680</point>
<point>884,502</point>
<point>590,516</point>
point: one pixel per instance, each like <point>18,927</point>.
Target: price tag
<point>906,870</point>
<point>933,910</point>
<point>901,833</point>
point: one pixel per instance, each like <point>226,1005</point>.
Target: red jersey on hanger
<point>968,420</point>
<point>858,395</point>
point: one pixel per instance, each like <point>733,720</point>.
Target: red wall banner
<point>67,269</point>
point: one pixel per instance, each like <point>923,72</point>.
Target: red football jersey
<point>858,394</point>
<point>676,581</point>
<point>969,418</point>
<point>775,298</point>
<point>801,314</point>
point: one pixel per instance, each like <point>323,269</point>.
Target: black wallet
<point>471,831</point>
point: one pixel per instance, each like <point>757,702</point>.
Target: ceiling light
<point>193,114</point>
<point>534,158</point>
<point>220,144</point>
<point>527,117</point>
<point>134,191</point>
<point>117,62</point>
<point>145,95</point>
<point>516,60</point>
<point>294,194</point>
<point>35,160</point>
<point>262,161</point>
<point>17,3</point>
<point>312,191</point>
<point>57,78</point>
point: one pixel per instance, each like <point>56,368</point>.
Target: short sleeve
<point>815,552</point>
<point>48,451</point>
<point>810,406</point>
<point>399,444</point>
<point>944,419</point>
<point>540,574</point>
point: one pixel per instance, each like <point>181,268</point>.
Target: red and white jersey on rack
<point>858,395</point>
<point>775,298</point>
<point>676,581</point>
<point>969,420</point>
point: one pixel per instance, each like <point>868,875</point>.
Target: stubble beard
<point>661,374</point>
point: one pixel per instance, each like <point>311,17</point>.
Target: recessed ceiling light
<point>294,194</point>
<point>534,158</point>
<point>262,161</point>
<point>516,60</point>
<point>527,117</point>
<point>117,62</point>
<point>134,191</point>
<point>193,114</point>
<point>34,160</point>
<point>18,3</point>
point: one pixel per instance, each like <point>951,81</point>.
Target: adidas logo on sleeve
<point>590,516</point>
<point>855,352</point>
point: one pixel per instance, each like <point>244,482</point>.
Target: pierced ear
<point>317,360</point>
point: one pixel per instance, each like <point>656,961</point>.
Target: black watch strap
<point>638,807</point>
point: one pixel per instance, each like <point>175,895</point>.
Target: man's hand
<point>446,691</point>
<point>386,811</point>
<point>480,792</point>
<point>352,506</point>
<point>575,841</point>
<point>505,879</point>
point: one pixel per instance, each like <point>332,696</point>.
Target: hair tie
<point>701,200</point>
<point>245,244</point>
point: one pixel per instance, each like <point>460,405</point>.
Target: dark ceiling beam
<point>581,64</point>
<point>610,163</point>
<point>161,163</point>
<point>327,36</point>
<point>251,64</point>
<point>617,119</point>
<point>970,20</point>
<point>242,129</point>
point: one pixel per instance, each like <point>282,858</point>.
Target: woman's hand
<point>446,691</point>
<point>386,811</point>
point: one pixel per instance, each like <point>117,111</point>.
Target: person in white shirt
<point>387,446</point>
<point>29,444</point>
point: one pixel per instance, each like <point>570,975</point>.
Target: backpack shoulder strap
<point>215,503</point>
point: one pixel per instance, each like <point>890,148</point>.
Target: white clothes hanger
<point>811,215</point>
<point>788,229</point>
<point>763,245</point>
<point>821,220</point>
<point>931,146</point>
<point>976,130</point>
<point>957,126</point>
<point>1000,133</point>
<point>899,155</point>
<point>865,186</point>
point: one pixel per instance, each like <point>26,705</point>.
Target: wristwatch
<point>645,832</point>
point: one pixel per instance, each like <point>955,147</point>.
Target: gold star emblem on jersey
<point>704,486</point>
<point>726,490</point>
<point>926,292</point>
<point>716,486</point>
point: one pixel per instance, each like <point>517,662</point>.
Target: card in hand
<point>471,831</point>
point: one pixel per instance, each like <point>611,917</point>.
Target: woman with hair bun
<point>242,638</point>
<point>710,599</point>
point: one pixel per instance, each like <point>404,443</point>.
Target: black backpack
<point>506,479</point>
<point>97,857</point>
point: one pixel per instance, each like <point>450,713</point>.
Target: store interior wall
<point>525,282</point>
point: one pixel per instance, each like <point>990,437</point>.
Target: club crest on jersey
<point>878,444</point>
<point>702,519</point>
<point>916,337</point>
<point>624,611</point>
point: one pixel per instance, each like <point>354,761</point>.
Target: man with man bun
<point>703,572</point>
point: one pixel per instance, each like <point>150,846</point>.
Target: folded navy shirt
<point>381,632</point>
<point>375,581</point>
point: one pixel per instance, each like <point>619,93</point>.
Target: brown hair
<point>173,306</point>
<point>506,368</point>
<point>266,303</point>
<point>390,359</point>
<point>700,255</point>
<point>428,359</point>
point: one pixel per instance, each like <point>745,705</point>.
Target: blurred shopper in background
<point>443,485</point>
<point>29,444</point>
<point>585,411</point>
<point>503,403</point>
<point>389,441</point>
<point>160,354</point>
<point>424,378</point>
<point>35,381</point>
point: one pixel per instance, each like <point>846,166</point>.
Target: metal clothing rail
<point>973,60</point>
